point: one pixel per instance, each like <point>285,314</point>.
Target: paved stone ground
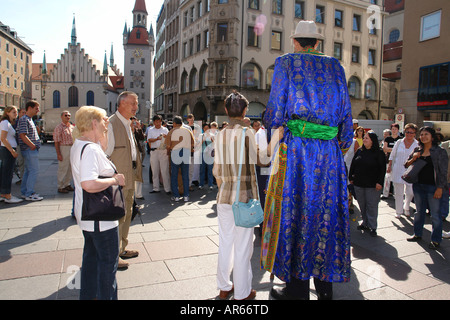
<point>41,250</point>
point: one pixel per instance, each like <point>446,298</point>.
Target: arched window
<point>394,35</point>
<point>354,87</point>
<point>184,82</point>
<point>193,80</point>
<point>90,98</point>
<point>56,99</point>
<point>370,90</point>
<point>269,77</point>
<point>73,96</point>
<point>203,77</point>
<point>251,77</point>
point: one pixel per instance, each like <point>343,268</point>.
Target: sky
<point>46,25</point>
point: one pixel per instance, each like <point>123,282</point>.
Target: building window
<point>299,9</point>
<point>90,98</point>
<point>372,57</point>
<point>206,39</point>
<point>338,18</point>
<point>203,77</point>
<point>191,47</point>
<point>320,14</point>
<point>275,43</point>
<point>277,7</point>
<point>253,4</point>
<point>252,37</point>
<point>356,22</point>
<point>354,87</point>
<point>370,91</point>
<point>338,50</point>
<point>56,99</point>
<point>251,76</point>
<point>185,50</point>
<point>184,82</point>
<point>222,32</point>
<point>355,54</point>
<point>198,42</point>
<point>434,85</point>
<point>73,96</point>
<point>394,35</point>
<point>269,76</point>
<point>221,72</point>
<point>430,26</point>
<point>193,80</point>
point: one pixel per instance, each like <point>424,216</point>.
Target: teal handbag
<point>250,214</point>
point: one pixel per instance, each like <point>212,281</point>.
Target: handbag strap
<point>81,155</point>
<point>238,186</point>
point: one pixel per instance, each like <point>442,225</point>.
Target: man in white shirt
<point>159,160</point>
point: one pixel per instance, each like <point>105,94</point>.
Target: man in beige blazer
<point>124,153</point>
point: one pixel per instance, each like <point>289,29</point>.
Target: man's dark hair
<point>156,117</point>
<point>177,120</point>
<point>31,104</point>
<point>235,104</point>
<point>306,42</point>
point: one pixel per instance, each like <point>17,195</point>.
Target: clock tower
<point>139,47</point>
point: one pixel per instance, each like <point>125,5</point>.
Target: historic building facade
<point>139,44</point>
<point>75,80</point>
<point>227,45</point>
<point>15,69</point>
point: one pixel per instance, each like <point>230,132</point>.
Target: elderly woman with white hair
<point>101,239</point>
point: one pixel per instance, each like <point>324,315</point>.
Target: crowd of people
<point>306,162</point>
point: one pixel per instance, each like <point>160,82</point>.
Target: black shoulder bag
<point>106,205</point>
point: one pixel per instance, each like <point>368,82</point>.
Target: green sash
<point>301,128</point>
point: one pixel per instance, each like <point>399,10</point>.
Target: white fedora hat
<point>306,29</point>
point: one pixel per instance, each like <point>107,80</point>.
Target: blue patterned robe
<point>314,237</point>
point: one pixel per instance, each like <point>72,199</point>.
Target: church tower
<point>139,47</point>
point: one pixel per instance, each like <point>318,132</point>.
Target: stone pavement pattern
<point>41,250</point>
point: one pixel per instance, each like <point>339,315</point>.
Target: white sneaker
<point>176,199</point>
<point>13,200</point>
<point>407,214</point>
<point>398,215</point>
<point>34,197</point>
<point>186,199</point>
<point>446,235</point>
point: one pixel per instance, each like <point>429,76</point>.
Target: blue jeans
<point>7,162</point>
<point>31,159</point>
<point>423,198</point>
<point>99,266</point>
<point>179,158</point>
<point>208,167</point>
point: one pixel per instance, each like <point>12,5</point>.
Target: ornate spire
<point>111,57</point>
<point>44,65</point>
<point>105,66</point>
<point>74,32</point>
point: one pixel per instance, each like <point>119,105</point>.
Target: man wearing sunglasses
<point>62,137</point>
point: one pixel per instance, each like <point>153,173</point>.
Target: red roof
<point>143,38</point>
<point>140,6</point>
<point>117,82</point>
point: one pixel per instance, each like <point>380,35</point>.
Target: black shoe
<point>373,233</point>
<point>281,294</point>
<point>414,239</point>
<point>154,191</point>
<point>433,245</point>
<point>361,227</point>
